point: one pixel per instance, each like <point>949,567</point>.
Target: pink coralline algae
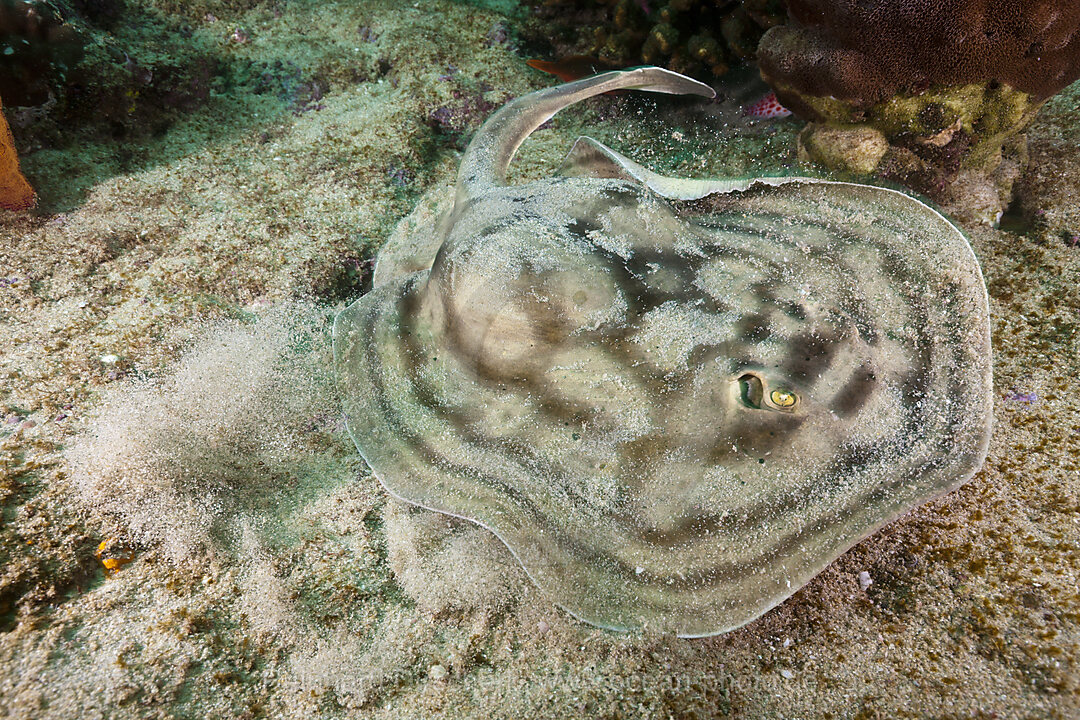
<point>1022,397</point>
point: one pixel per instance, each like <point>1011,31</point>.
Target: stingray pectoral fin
<point>491,150</point>
<point>590,158</point>
<point>416,238</point>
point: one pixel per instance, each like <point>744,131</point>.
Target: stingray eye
<point>755,394</point>
<point>783,399</point>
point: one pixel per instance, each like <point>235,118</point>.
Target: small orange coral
<point>15,192</point>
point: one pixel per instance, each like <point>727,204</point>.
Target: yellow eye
<point>783,398</point>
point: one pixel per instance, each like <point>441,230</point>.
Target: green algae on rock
<point>940,141</point>
<point>675,401</point>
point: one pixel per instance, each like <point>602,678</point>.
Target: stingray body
<point>675,401</point>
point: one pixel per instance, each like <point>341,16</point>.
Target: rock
<point>855,149</point>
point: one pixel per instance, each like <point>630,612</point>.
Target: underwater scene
<point>547,359</point>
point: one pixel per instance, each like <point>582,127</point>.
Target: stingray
<point>674,400</point>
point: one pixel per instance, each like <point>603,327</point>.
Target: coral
<point>950,85</point>
<point>862,52</point>
<point>700,38</point>
<point>15,192</point>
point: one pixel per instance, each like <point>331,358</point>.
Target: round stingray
<point>676,418</point>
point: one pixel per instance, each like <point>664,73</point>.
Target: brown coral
<point>15,192</point>
<point>862,52</point>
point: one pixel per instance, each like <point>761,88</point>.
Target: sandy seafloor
<point>165,385</point>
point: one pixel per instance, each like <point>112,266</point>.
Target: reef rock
<point>949,84</point>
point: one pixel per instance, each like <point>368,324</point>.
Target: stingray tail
<point>491,150</point>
